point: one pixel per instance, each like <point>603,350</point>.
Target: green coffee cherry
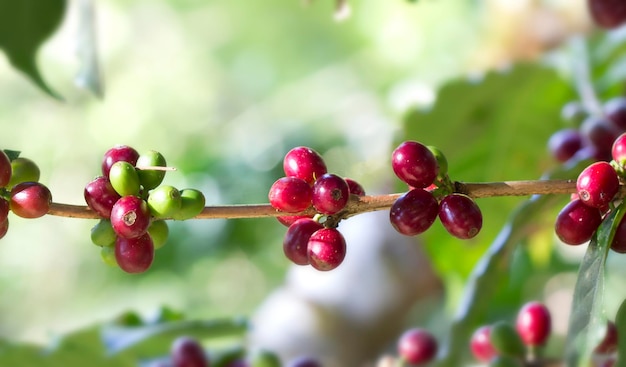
<point>164,201</point>
<point>102,234</point>
<point>506,340</point>
<point>505,361</point>
<point>23,170</point>
<point>124,178</point>
<point>159,231</point>
<point>192,204</point>
<point>148,178</point>
<point>442,161</point>
<point>107,253</point>
<point>265,358</point>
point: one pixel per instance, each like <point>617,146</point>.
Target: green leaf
<point>588,320</point>
<point>24,26</point>
<point>12,154</point>
<point>89,75</point>
<point>620,323</point>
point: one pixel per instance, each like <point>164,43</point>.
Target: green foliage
<point>24,26</point>
<point>620,323</point>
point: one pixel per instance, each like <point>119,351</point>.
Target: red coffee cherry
<point>417,346</point>
<point>534,323</point>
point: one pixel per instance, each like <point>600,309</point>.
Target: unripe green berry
<point>124,179</point>
<point>148,178</point>
<point>265,358</point>
<point>505,361</point>
<point>506,340</point>
<point>107,253</point>
<point>442,161</point>
<point>159,231</point>
<point>23,170</point>
<point>192,204</point>
<point>102,234</point>
<point>164,201</point>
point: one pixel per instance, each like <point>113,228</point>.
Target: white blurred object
<point>346,317</point>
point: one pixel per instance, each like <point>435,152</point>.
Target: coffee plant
<point>498,180</point>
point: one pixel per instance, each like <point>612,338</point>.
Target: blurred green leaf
<point>587,320</point>
<point>620,323</point>
<point>24,26</point>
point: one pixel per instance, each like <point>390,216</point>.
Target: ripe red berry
<point>295,242</point>
<point>5,169</point>
<point>618,244</point>
<point>608,345</point>
<point>116,154</point>
<point>414,212</point>
<point>354,187</point>
<point>130,217</point>
<point>326,249</point>
<point>597,184</point>
<point>4,209</point>
<point>576,222</point>
<point>304,163</point>
<point>414,164</point>
<point>288,220</point>
<point>417,346</point>
<point>534,323</point>
<point>30,200</point>
<point>330,194</point>
<point>4,227</point>
<point>460,216</point>
<point>481,346</point>
<point>187,352</point>
<point>564,144</point>
<point>100,196</point>
<point>290,194</point>
<point>134,255</point>
<point>618,150</point>
<point>608,14</point>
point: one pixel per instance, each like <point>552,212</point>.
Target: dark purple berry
<point>608,345</point>
<point>295,242</point>
<point>30,200</point>
<point>130,217</point>
<point>5,169</point>
<point>4,227</point>
<point>134,255</point>
<point>187,352</point>
<point>460,216</point>
<point>599,133</point>
<point>326,249</point>
<point>354,187</point>
<point>417,346</point>
<point>4,209</point>
<point>615,111</point>
<point>414,212</point>
<point>597,184</point>
<point>480,345</point>
<point>414,164</point>
<point>618,244</point>
<point>304,163</point>
<point>100,196</point>
<point>576,222</point>
<point>608,14</point>
<point>290,194</point>
<point>116,154</point>
<point>564,144</point>
<point>330,194</point>
<point>534,323</point>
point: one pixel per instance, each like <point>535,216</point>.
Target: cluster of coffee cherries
<point>133,205</point>
<point>503,344</point>
<point>431,194</point>
<point>597,187</point>
<point>20,190</point>
<point>187,351</point>
<point>312,239</point>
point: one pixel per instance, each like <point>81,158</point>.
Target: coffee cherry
<point>414,164</point>
<point>102,234</point>
<point>481,346</point>
<point>597,184</point>
<point>304,163</point>
<point>618,150</point>
<point>290,194</point>
<point>150,178</point>
<point>608,345</point>
<point>159,232</point>
<point>615,111</point>
<point>577,222</point>
<point>187,352</point>
<point>164,201</point>
<point>191,204</point>
<point>23,170</point>
<point>30,200</point>
<point>295,242</point>
<point>134,255</point>
<point>288,220</point>
<point>330,194</point>
<point>4,227</point>
<point>5,169</point>
<point>100,196</point>
<point>124,179</point>
<point>599,133</point>
<point>534,323</point>
<point>460,216</point>
<point>442,161</point>
<point>4,209</point>
<point>414,212</point>
<point>326,249</point>
<point>505,340</point>
<point>116,154</point>
<point>564,144</point>
<point>354,187</point>
<point>107,254</point>
<point>417,346</point>
<point>304,362</point>
<point>608,14</point>
<point>130,217</point>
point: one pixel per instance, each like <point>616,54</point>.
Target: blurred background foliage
<point>224,89</point>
